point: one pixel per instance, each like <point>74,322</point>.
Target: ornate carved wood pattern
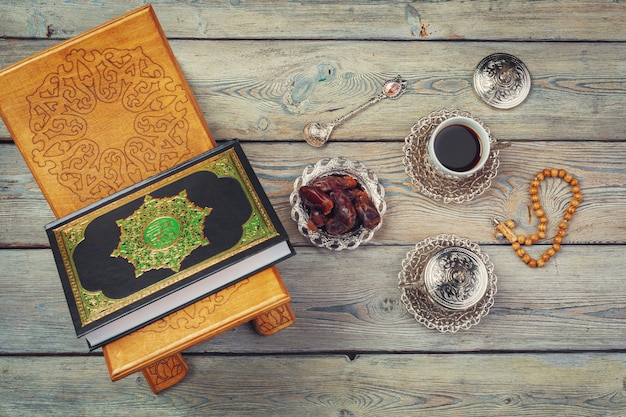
<point>166,372</point>
<point>274,320</point>
<point>97,86</point>
<point>196,314</point>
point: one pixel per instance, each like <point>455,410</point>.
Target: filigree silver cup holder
<point>447,283</point>
<point>427,179</point>
<point>337,166</point>
<point>502,81</point>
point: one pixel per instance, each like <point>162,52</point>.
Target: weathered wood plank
<point>411,216</point>
<point>261,71</point>
<point>374,385</point>
<point>349,302</point>
<point>255,90</point>
<point>476,20</point>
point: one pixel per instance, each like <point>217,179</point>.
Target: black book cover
<point>161,235</point>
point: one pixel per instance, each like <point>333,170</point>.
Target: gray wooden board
<point>256,90</point>
<point>411,216</point>
<point>474,385</point>
<point>357,20</point>
<point>552,345</point>
<point>347,302</point>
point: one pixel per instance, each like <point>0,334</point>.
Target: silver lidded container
<point>447,283</point>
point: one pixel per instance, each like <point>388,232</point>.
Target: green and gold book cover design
<point>147,241</point>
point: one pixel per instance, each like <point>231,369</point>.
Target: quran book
<point>164,243</point>
<point>99,112</point>
<point>102,111</point>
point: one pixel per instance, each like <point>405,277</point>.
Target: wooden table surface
<point>554,343</point>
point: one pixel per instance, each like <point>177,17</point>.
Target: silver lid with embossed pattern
<point>502,81</point>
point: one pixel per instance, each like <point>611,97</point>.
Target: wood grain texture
<point>411,216</point>
<point>352,304</point>
<point>255,90</point>
<point>362,20</point>
<point>473,385</point>
<point>552,345</point>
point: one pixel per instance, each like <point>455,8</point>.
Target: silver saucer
<point>429,180</point>
<point>447,283</point>
<point>502,81</point>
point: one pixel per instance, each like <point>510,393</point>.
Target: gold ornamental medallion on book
<point>161,233</point>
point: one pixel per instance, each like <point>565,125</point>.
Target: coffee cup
<point>459,147</point>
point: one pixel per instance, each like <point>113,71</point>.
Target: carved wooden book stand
<point>100,112</point>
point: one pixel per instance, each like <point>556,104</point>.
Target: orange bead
<point>542,227</point>
<point>509,223</point>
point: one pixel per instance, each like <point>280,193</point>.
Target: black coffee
<point>457,148</point>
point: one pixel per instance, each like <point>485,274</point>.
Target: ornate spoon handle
<point>363,106</point>
<point>316,134</point>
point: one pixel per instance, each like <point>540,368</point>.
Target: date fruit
<point>365,210</point>
<point>337,204</point>
<point>334,182</point>
<point>315,198</point>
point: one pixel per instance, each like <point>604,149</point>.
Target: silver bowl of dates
<point>338,203</point>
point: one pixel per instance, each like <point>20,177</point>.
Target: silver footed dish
<point>367,182</point>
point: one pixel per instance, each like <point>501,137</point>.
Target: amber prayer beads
<point>519,241</point>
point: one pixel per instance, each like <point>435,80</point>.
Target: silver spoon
<point>317,134</point>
